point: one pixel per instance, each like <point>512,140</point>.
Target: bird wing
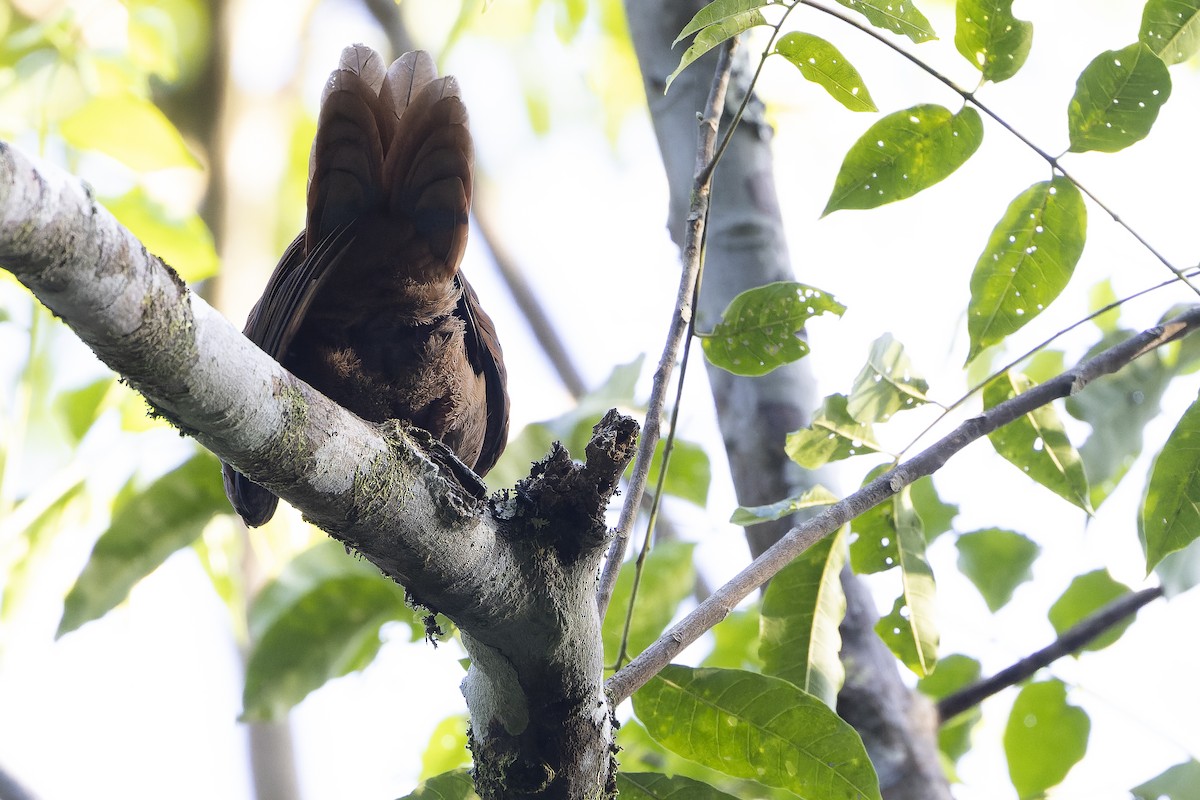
<point>296,281</point>
<point>483,349</point>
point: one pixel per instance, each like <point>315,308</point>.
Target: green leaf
<point>735,643</point>
<point>997,562</point>
<point>901,18</point>
<point>815,497</point>
<point>832,436</point>
<point>1044,738</point>
<point>1171,29</point>
<point>910,630</point>
<point>717,22</point>
<point>668,577</point>
<point>873,533</point>
<point>1117,98</point>
<point>319,620</point>
<point>456,785</point>
<point>656,786</point>
<point>1037,444</point>
<point>1171,508</point>
<point>129,128</point>
<point>954,672</point>
<point>887,384</point>
<point>1180,571</point>
<point>572,428</point>
<point>30,532</point>
<point>905,153</point>
<point>761,328</point>
<point>1027,262</point>
<point>759,727</point>
<point>991,38</point>
<point>823,64</point>
<point>1180,782</point>
<point>447,748</point>
<point>184,243</point>
<point>718,12</point>
<point>801,611</point>
<point>688,475</point>
<point>1117,407</point>
<point>936,516</point>
<point>80,407</point>
<point>1086,595</point>
<point>144,531</point>
<point>641,753</point>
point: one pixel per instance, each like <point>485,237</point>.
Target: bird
<point>368,304</point>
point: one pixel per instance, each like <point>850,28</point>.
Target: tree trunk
<point>746,248</point>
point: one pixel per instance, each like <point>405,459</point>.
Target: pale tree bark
<point>746,247</point>
<point>516,574</point>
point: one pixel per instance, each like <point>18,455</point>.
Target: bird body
<point>367,304</point>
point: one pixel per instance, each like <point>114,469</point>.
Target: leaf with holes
<point>1171,28</point>
<point>903,154</point>
<point>717,22</point>
<point>761,328</point>
<point>802,608</point>
<point>832,436</point>
<point>902,18</point>
<point>823,64</point>
<point>887,384</point>
<point>1028,260</point>
<point>758,727</point>
<point>991,38</point>
<point>1117,98</point>
<point>910,631</point>
<point>1044,738</point>
<point>1171,508</point>
<point>1037,444</point>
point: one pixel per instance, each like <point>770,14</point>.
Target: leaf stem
<point>681,316</point>
<point>970,97</point>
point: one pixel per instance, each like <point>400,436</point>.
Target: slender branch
<point>11,789</point>
<point>946,410</point>
<point>804,535</point>
<point>1070,642</point>
<point>681,316</point>
<point>526,299</point>
<point>969,97</point>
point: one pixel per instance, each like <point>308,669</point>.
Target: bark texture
<point>515,573</point>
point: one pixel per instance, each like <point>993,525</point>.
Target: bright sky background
<point>142,704</point>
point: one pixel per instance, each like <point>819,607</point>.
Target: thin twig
<point>946,410</point>
<point>527,301</point>
<point>804,535</point>
<point>680,317</point>
<point>969,97</point>
<point>1072,641</point>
